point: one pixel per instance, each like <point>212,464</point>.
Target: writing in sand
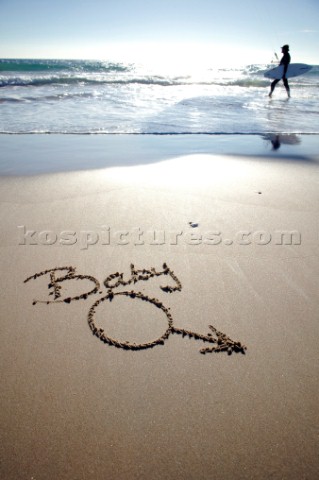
<point>114,283</point>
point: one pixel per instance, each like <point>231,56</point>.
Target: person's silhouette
<point>285,62</point>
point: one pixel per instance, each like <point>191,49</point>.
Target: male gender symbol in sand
<point>221,342</point>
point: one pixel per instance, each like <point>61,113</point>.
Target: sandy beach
<point>159,308</point>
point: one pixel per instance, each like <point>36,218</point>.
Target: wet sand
<point>160,320</point>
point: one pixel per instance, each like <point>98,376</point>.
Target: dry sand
<point>74,407</point>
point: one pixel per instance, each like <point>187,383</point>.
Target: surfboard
<point>294,70</point>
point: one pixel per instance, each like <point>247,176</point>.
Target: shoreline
<point>32,154</point>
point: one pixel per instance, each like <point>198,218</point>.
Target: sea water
<point>95,97</point>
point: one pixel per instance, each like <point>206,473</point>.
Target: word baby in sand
<point>221,342</point>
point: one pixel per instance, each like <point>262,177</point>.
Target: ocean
<point>100,97</point>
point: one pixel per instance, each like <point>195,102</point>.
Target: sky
<point>225,31</point>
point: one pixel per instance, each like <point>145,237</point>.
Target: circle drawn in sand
<point>100,333</point>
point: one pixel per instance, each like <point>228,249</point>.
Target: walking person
<point>285,62</point>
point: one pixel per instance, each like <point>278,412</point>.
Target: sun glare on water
<point>171,58</point>
<point>187,58</point>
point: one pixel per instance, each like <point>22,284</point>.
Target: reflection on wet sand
<point>277,139</point>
